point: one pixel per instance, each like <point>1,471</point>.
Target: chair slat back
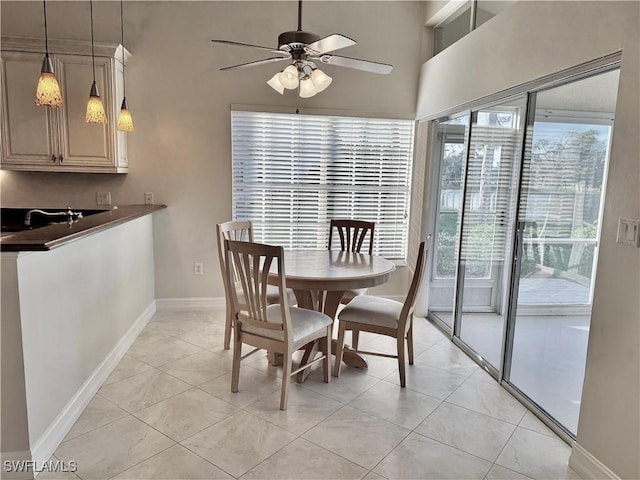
<point>239,230</point>
<point>416,281</point>
<point>352,234</point>
<point>251,263</point>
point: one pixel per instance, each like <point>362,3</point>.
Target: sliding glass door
<point>487,228</point>
<point>519,196</point>
<point>558,229</point>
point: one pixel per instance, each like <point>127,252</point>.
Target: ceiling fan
<point>303,49</point>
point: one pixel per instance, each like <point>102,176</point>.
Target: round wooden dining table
<point>320,278</point>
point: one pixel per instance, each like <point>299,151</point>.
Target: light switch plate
<point>628,232</point>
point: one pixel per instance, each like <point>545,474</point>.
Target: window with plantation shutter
<point>293,173</point>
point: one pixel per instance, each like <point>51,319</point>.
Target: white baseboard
<point>44,447</point>
<point>588,466</point>
<point>198,303</point>
<point>14,459</point>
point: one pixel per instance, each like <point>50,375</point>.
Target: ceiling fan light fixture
<point>288,78</point>
<point>307,88</point>
<point>275,83</point>
<point>320,80</point>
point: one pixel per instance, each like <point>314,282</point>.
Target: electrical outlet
<point>198,268</point>
<point>103,198</point>
<point>148,198</point>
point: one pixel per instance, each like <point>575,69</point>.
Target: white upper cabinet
<point>58,139</point>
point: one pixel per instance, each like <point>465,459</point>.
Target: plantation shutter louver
<point>293,173</point>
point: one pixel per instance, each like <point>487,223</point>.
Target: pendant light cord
<point>46,40</point>
<point>124,82</point>
<point>93,54</point>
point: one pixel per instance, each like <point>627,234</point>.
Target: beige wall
<point>525,42</point>
<point>181,101</point>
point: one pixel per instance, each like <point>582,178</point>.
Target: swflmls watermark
<point>24,466</point>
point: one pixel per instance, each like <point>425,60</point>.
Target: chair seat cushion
<point>273,295</point>
<point>370,310</point>
<point>351,294</point>
<point>304,323</point>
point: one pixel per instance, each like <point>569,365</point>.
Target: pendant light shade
<point>125,120</point>
<point>48,91</point>
<point>95,108</point>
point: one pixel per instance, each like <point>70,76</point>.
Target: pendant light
<point>48,91</point>
<point>95,108</point>
<point>125,121</point>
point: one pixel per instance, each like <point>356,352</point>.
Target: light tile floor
<point>167,412</point>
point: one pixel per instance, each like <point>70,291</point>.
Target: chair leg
<point>326,363</point>
<point>228,326</point>
<point>340,349</point>
<point>410,340</point>
<point>401,366</point>
<point>286,379</point>
<point>235,368</point>
<point>355,337</point>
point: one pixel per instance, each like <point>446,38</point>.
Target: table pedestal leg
<point>349,356</point>
<point>313,300</point>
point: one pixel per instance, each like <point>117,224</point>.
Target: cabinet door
<point>28,131</point>
<point>86,144</point>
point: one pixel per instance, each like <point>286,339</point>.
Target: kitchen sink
<point>13,219</point>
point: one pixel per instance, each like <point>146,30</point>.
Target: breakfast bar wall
<point>69,314</point>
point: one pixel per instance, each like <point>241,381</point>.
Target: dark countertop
<point>54,236</point>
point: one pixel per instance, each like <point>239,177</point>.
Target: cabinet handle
<point>53,158</point>
<point>60,158</point>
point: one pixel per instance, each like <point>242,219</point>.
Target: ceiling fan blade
<point>329,44</point>
<point>367,66</point>
<point>229,42</point>
<point>256,63</point>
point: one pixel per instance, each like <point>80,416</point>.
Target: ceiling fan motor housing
<point>296,40</point>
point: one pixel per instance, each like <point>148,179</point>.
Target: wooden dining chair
<point>278,327</point>
<point>352,235</point>
<point>385,317</point>
<point>239,230</point>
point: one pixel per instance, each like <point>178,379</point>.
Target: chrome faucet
<point>69,214</point>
